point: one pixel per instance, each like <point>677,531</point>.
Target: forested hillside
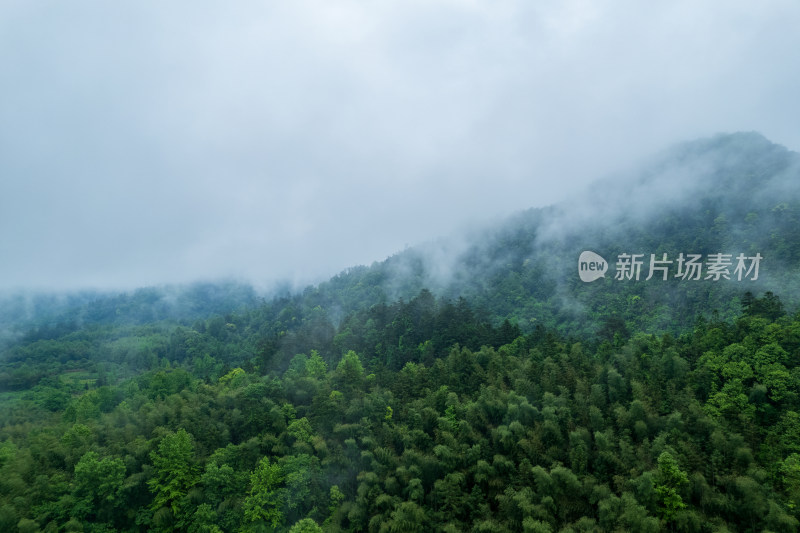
<point>469,384</point>
<point>497,432</point>
<point>730,194</point>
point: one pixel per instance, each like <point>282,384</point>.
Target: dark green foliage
<point>539,434</point>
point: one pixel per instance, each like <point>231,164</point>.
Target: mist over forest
<point>731,193</point>
<point>270,142</point>
<point>473,382</point>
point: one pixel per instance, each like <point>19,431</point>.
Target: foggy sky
<point>156,142</point>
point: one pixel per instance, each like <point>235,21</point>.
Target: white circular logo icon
<point>591,266</point>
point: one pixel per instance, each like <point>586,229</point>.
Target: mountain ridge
<point>730,193</point>
<point>725,194</point>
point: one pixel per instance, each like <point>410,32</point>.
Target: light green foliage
<point>450,415</point>
<point>336,497</point>
<point>789,473</point>
<point>77,440</point>
<point>234,378</point>
<point>316,366</point>
<point>266,497</point>
<point>289,411</point>
<point>350,370</point>
<point>175,472</point>
<point>530,525</point>
<point>300,430</point>
<point>97,485</point>
<point>306,525</point>
<point>671,480</point>
<point>8,452</point>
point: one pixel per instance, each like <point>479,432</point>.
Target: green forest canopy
<point>416,416</point>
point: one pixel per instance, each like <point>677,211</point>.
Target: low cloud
<point>147,143</point>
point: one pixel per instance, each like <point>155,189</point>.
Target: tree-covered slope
<point>542,433</point>
<point>731,194</point>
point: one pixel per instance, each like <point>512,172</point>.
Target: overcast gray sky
<point>146,142</point>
